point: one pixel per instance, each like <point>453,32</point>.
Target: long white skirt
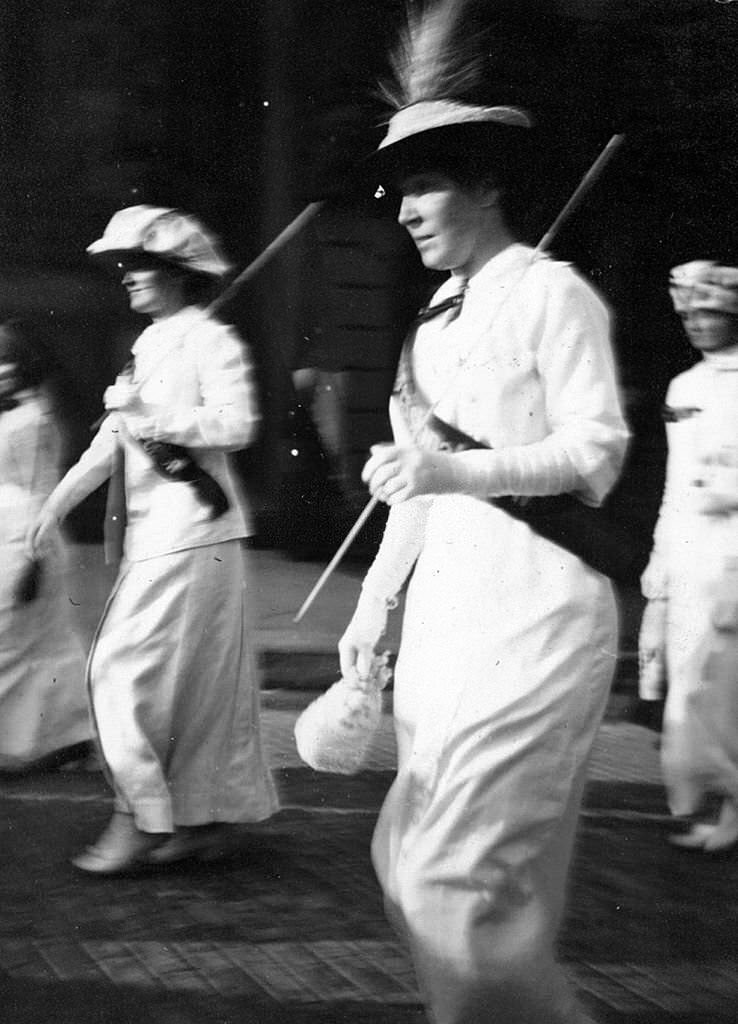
<point>175,695</point>
<point>507,653</point>
<point>43,703</point>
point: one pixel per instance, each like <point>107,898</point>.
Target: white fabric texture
<point>196,381</point>
<point>695,542</point>
<point>544,398</point>
<point>652,650</point>
<point>508,646</point>
<point>171,675</point>
<point>43,704</point>
<point>401,544</point>
<point>335,731</point>
<point>174,691</point>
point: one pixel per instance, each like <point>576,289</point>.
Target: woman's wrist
<point>369,595</point>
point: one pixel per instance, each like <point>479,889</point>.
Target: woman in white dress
<point>43,703</point>
<point>509,641</point>
<point>171,674</point>
<point>689,634</point>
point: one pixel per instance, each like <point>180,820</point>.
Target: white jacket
<point>195,380</point>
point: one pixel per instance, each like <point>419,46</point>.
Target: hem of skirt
<point>44,752</point>
<point>149,815</point>
<point>193,812</point>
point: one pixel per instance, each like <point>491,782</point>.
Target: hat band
<point>428,114</point>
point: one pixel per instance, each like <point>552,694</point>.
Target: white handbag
<point>334,733</point>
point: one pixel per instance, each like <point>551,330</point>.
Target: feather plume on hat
<point>438,68</point>
<point>430,62</point>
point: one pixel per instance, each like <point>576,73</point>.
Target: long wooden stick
<point>575,199</point>
<point>293,228</point>
<point>580,191</point>
<point>345,545</point>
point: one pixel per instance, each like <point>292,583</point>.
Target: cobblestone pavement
<point>290,927</point>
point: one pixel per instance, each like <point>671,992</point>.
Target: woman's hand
<point>395,474</point>
<point>357,645</point>
<point>38,537</point>
<point>123,396</point>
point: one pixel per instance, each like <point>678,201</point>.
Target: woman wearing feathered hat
<point>509,641</point>
<point>689,633</point>
<point>171,672</point>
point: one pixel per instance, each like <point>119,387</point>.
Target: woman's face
<point>153,291</point>
<point>443,219</point>
<point>711,331</point>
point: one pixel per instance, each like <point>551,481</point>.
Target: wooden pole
<point>293,228</point>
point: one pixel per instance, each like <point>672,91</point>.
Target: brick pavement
<point>291,927</point>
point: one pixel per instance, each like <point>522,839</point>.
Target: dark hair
<point>199,289</point>
<point>473,154</point>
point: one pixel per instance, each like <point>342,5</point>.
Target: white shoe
<point>694,839</point>
<point>725,833</point>
<point>120,848</point>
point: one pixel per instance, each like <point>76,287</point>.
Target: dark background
<point>243,112</point>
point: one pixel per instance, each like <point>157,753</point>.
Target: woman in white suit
<point>171,673</point>
<point>508,640</point>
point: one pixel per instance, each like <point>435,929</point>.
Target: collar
<point>516,257</point>
<point>170,329</point>
<point>725,360</point>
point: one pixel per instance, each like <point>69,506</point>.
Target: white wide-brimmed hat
<point>161,234</point>
<point>451,131</point>
<point>437,91</point>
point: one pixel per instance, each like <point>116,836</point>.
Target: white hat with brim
<point>451,131</point>
<point>155,234</point>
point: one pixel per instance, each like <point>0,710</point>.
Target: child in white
<point>690,624</point>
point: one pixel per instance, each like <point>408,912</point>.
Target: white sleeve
<point>93,469</point>
<point>585,449</point>
<point>401,544</point>
<point>228,417</point>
